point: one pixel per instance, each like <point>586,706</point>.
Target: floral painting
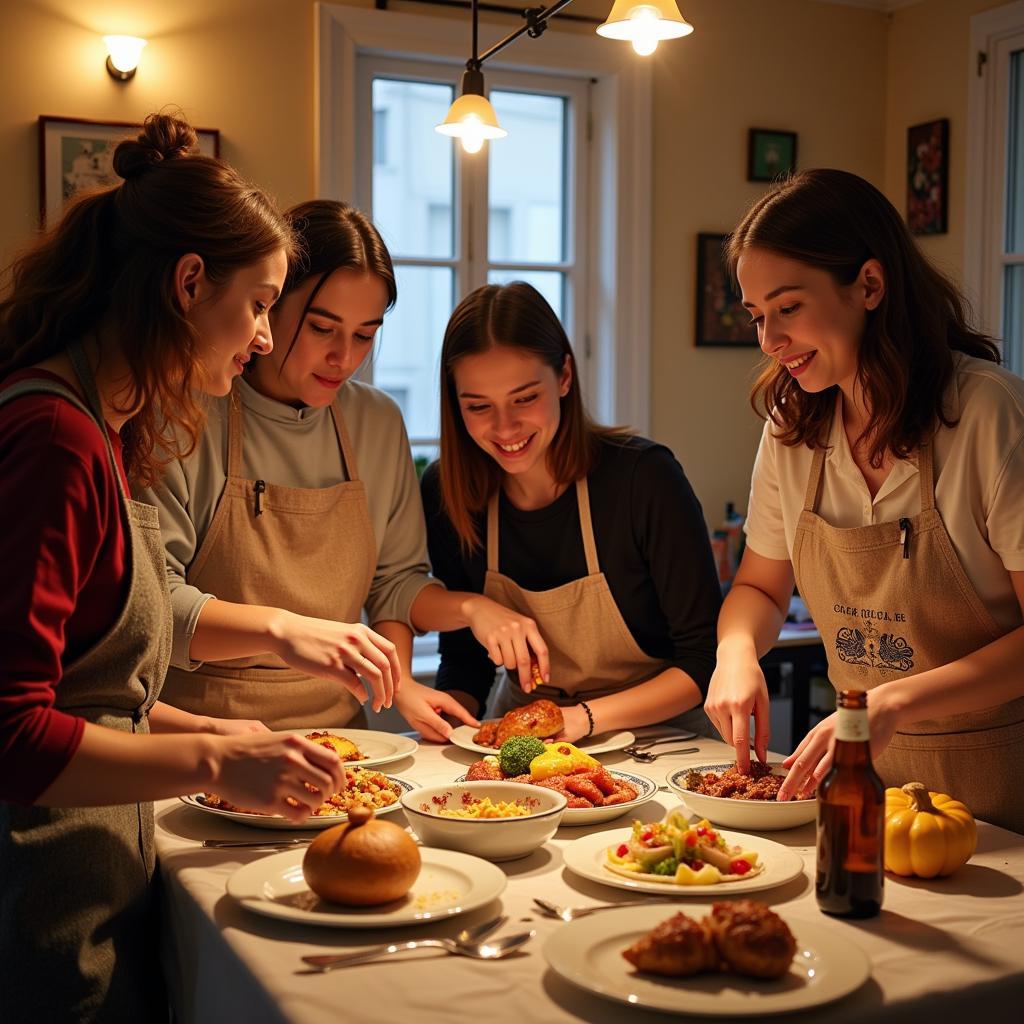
<point>927,177</point>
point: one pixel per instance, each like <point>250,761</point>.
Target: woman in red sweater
<point>142,295</point>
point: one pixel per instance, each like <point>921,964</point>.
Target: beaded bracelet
<point>590,718</point>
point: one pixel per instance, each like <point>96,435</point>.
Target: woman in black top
<point>631,636</point>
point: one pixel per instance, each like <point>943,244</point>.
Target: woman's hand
<point>422,706</point>
<point>341,651</point>
<point>234,726</point>
<point>268,773</point>
<point>737,691</point>
<point>575,724</point>
<point>812,758</point>
<point>508,637</point>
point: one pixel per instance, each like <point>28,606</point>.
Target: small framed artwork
<point>770,154</point>
<point>722,319</point>
<point>927,177</point>
<point>75,155</point>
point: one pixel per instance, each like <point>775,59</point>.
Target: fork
<point>653,741</point>
<point>571,913</point>
<point>646,757</point>
<point>492,950</point>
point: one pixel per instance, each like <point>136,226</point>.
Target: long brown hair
<point>836,221</point>
<point>332,236</point>
<point>516,316</point>
<point>110,261</point>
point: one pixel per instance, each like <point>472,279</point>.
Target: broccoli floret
<point>665,867</point>
<point>515,754</point>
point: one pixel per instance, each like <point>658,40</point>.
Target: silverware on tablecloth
<point>493,949</point>
<point>645,742</point>
<point>571,913</point>
<point>646,757</point>
<point>253,844</point>
<point>481,931</point>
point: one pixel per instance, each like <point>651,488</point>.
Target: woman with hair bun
<point>141,296</point>
<point>591,534</point>
<point>889,484</point>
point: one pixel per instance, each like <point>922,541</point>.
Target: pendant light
<point>645,23</point>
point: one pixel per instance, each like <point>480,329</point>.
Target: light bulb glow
<point>124,51</point>
<point>645,30</point>
<point>472,135</point>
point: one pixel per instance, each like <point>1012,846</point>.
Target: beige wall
<point>847,80</point>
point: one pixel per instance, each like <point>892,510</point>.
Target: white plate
<point>827,966</point>
<point>449,883</point>
<point>603,743</point>
<point>586,856</point>
<point>596,815</point>
<point>379,747</point>
<point>762,815</point>
<point>276,821</point>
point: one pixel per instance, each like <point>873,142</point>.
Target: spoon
<point>571,913</point>
<point>492,950</point>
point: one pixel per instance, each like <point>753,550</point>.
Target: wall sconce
<point>472,119</point>
<point>123,56</point>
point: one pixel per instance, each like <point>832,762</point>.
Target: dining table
<point>941,949</point>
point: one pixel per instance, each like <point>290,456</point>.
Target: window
<point>455,221</point>
<point>994,269</point>
<point>380,138</point>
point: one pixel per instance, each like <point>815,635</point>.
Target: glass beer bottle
<point>851,819</point>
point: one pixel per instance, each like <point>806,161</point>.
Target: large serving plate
<point>603,743</point>
<point>646,788</point>
<point>761,815</point>
<point>276,821</point>
<point>586,857</point>
<point>588,953</point>
<point>449,883</point>
<point>379,747</point>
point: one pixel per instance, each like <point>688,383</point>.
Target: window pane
<point>527,179</point>
<point>406,361</point>
<point>413,168</point>
<point>1013,318</point>
<point>550,283</point>
<point>1015,157</point>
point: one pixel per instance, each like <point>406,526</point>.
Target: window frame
<point>994,36</point>
<point>614,354</point>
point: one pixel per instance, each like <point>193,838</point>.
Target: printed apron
<point>78,938</point>
<point>891,600</point>
<point>309,550</point>
<point>591,650</point>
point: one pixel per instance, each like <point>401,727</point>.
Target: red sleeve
<point>55,493</point>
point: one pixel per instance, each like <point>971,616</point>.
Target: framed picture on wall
<point>75,154</point>
<point>927,177</point>
<point>721,317</point>
<point>770,154</point>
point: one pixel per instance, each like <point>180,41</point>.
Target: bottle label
<point>852,725</point>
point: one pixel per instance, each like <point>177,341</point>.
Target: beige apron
<point>891,600</point>
<point>591,650</point>
<point>308,550</point>
<point>78,940</point>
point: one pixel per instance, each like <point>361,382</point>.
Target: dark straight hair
<point>334,236</point>
<point>837,221</point>
<point>515,316</point>
<point>111,260</point>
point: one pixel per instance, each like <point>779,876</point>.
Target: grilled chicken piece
<point>677,948</point>
<point>486,734</point>
<point>345,749</point>
<point>752,938</point>
<point>540,718</point>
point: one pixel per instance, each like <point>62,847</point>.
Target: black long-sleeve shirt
<point>652,545</point>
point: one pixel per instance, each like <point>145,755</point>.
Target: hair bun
<point>163,137</point>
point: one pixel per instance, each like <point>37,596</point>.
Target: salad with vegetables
<point>678,853</point>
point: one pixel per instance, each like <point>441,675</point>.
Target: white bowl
<point>645,787</point>
<point>761,815</point>
<point>490,838</point>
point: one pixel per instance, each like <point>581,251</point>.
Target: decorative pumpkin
<point>926,834</point>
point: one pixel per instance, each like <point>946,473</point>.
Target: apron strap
<point>926,472</point>
<point>492,531</point>
<point>815,480</point>
<point>236,433</point>
<point>88,382</point>
<point>587,527</point>
<point>348,455</point>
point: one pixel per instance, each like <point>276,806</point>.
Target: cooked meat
<point>345,749</point>
<point>486,734</point>
<point>540,718</point>
<point>752,938</point>
<point>484,771</point>
<point>732,784</point>
<point>677,947</point>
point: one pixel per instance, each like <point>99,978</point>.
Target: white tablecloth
<point>950,949</point>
